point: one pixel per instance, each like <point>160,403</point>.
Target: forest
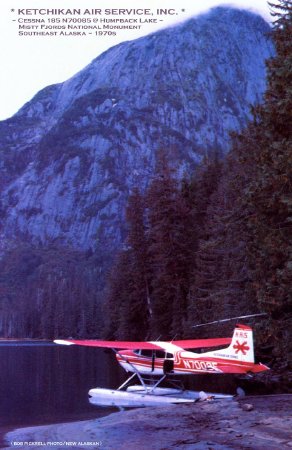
<point>216,243</point>
<point>201,246</point>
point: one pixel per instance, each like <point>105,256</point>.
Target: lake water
<point>43,383</point>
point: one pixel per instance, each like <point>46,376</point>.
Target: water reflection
<point>45,383</point>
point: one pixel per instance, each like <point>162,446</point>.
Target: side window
<point>160,354</point>
<point>147,353</point>
<point>169,355</point>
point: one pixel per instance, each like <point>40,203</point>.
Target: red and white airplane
<point>164,359</point>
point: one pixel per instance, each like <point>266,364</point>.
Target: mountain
<point>70,156</point>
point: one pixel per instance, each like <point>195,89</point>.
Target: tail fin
<point>241,350</point>
<point>241,347</point>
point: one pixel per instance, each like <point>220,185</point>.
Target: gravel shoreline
<point>255,423</point>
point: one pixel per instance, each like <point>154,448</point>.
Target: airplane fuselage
<point>183,363</point>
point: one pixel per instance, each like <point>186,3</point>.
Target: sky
<point>31,62</point>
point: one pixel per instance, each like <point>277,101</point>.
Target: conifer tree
<point>129,298</point>
<point>221,286</point>
<point>138,242</point>
<point>169,251</point>
<point>205,264</point>
<point>117,297</point>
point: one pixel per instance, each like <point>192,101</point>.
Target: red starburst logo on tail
<point>241,347</point>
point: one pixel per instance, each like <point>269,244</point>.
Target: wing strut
<point>136,373</point>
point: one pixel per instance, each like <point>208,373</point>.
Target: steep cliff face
<point>70,156</point>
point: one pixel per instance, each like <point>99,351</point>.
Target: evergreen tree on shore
<point>128,304</point>
<point>169,251</point>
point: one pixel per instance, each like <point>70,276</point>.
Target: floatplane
<point>153,362</point>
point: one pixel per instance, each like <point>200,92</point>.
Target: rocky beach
<point>252,422</point>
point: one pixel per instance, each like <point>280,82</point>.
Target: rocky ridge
<point>71,155</point>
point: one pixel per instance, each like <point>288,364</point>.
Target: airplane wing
<point>131,345</point>
<point>125,345</point>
